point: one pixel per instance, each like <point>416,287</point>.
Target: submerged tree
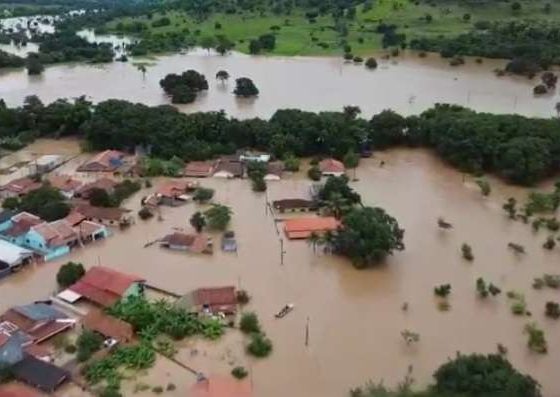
<point>244,87</point>
<point>69,273</point>
<point>198,221</point>
<point>222,75</point>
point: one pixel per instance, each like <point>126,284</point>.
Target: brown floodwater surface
<point>355,317</point>
<point>407,84</point>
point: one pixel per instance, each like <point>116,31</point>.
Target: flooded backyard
<point>407,84</point>
<point>355,317</point>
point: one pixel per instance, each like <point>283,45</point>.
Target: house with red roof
<point>302,228</point>
<point>198,243</point>
<point>104,286</point>
<point>199,169</point>
<point>106,184</point>
<point>108,326</point>
<point>107,161</point>
<point>174,192</point>
<point>52,240</point>
<point>19,187</point>
<point>15,229</point>
<point>65,184</point>
<point>210,300</point>
<point>222,386</point>
<point>331,167</point>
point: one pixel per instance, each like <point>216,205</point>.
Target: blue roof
<point>39,311</point>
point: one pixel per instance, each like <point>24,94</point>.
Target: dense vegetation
<point>46,202</point>
<point>472,375</point>
<point>183,88</point>
<point>520,149</point>
<point>66,46</point>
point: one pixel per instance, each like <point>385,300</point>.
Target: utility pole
<point>282,252</point>
<point>307,332</point>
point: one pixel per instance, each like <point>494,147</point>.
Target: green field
<point>296,32</point>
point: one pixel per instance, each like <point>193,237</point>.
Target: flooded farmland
<point>407,84</point>
<point>355,317</point>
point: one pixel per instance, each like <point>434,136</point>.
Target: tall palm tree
<point>222,75</point>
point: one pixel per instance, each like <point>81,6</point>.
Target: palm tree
<point>314,239</point>
<point>222,75</point>
<point>142,68</point>
<point>328,240</point>
<point>337,205</point>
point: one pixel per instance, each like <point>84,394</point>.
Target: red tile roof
<point>21,223</point>
<point>196,243</point>
<point>106,184</point>
<point>221,386</point>
<point>331,166</point>
<point>172,189</point>
<point>108,214</point>
<point>303,227</point>
<point>88,228</point>
<point>74,218</point>
<point>108,326</point>
<point>39,330</point>
<point>103,285</point>
<point>57,233</point>
<point>218,299</point>
<point>21,186</point>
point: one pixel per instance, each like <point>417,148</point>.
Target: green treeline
<point>520,149</point>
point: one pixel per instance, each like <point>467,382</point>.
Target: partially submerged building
<point>13,257</point>
<point>302,228</point>
<point>52,240</point>
<point>199,169</point>
<point>65,184</point>
<point>274,171</point>
<point>174,192</point>
<point>104,286</point>
<point>105,184</point>
<point>213,300</point>
<point>294,205</point>
<point>19,187</point>
<point>229,169</point>
<point>221,386</point>
<point>331,167</point>
<point>46,163</point>
<point>198,243</point>
<point>107,161</point>
<point>108,326</point>
<point>105,216</point>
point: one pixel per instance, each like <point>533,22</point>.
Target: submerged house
<point>294,205</point>
<point>107,161</point>
<point>46,163</point>
<point>274,171</point>
<point>221,386</point>
<point>212,300</point>
<point>197,243</point>
<point>173,193</point>
<point>19,187</point>
<point>302,228</point>
<point>104,286</point>
<point>39,374</point>
<point>16,228</point>
<point>65,184</point>
<point>108,326</point>
<point>104,216</point>
<point>199,169</point>
<point>229,169</point>
<point>106,184</point>
<point>52,239</point>
<point>13,257</point>
<point>331,167</point>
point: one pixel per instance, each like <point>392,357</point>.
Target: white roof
<point>48,159</point>
<point>69,296</point>
<point>11,253</point>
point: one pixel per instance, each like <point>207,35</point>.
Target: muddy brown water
<point>355,317</point>
<point>407,84</point>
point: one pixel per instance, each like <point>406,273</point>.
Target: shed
<point>46,163</point>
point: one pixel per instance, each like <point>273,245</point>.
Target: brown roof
<point>21,223</point>
<point>233,167</point>
<point>196,243</point>
<point>106,184</point>
<point>218,299</point>
<point>56,233</point>
<point>109,214</point>
<point>74,218</point>
<point>21,186</point>
<point>109,160</point>
<point>199,168</point>
<point>288,204</point>
<point>39,330</point>
<point>108,325</point>
<point>222,386</point>
<point>14,389</point>
<point>88,228</point>
<point>303,227</point>
<point>104,285</point>
<point>331,166</point>
<point>173,189</point>
<point>275,168</point>
<point>64,183</point>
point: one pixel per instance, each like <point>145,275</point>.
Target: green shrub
<point>260,346</point>
<point>239,372</point>
<point>69,273</point>
<point>88,343</point>
<point>157,390</point>
<point>249,323</point>
<point>70,349</point>
<point>537,341</point>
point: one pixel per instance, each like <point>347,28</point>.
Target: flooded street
<point>355,317</point>
<point>406,84</point>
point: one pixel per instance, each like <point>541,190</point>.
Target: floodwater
<point>407,84</point>
<point>354,317</point>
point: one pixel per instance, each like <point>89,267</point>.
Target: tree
<point>100,198</point>
<point>33,64</point>
<point>351,160</point>
<point>69,273</point>
<point>46,202</point>
<point>367,235</point>
<point>337,187</point>
<point>254,46</point>
<point>207,42</point>
<point>516,6</point>
<point>249,323</point>
<point>484,186</point>
<point>314,239</point>
<point>314,173</point>
<point>10,203</point>
<point>260,346</point>
<point>387,129</point>
<point>291,163</point>
<point>244,87</point>
<point>222,75</point>
<point>218,216</point>
<point>371,63</point>
<point>198,221</point>
<point>88,343</point>
<point>352,111</point>
<point>478,375</point>
<point>523,160</point>
<point>142,69</point>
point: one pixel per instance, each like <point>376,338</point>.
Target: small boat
<point>285,310</point>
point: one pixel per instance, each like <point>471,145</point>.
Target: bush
<point>552,310</point>
<point>244,87</point>
<point>291,163</point>
<point>157,390</point>
<point>537,341</point>
<point>314,173</point>
<point>442,290</point>
<point>260,346</point>
<point>358,59</point>
<point>239,372</point>
<point>371,63</point>
<point>88,343</point>
<point>549,243</point>
<point>243,297</point>
<point>145,213</point>
<point>466,251</point>
<point>249,323</point>
<point>218,217</point>
<point>170,387</point>
<point>540,89</point>
<point>69,273</point>
<point>70,349</point>
<point>258,184</point>
<point>203,195</point>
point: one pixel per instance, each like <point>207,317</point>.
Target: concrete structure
<point>45,163</point>
<point>13,256</point>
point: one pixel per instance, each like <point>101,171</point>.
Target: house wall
<point>35,241</point>
<point>11,352</point>
<point>5,225</point>
<point>57,252</point>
